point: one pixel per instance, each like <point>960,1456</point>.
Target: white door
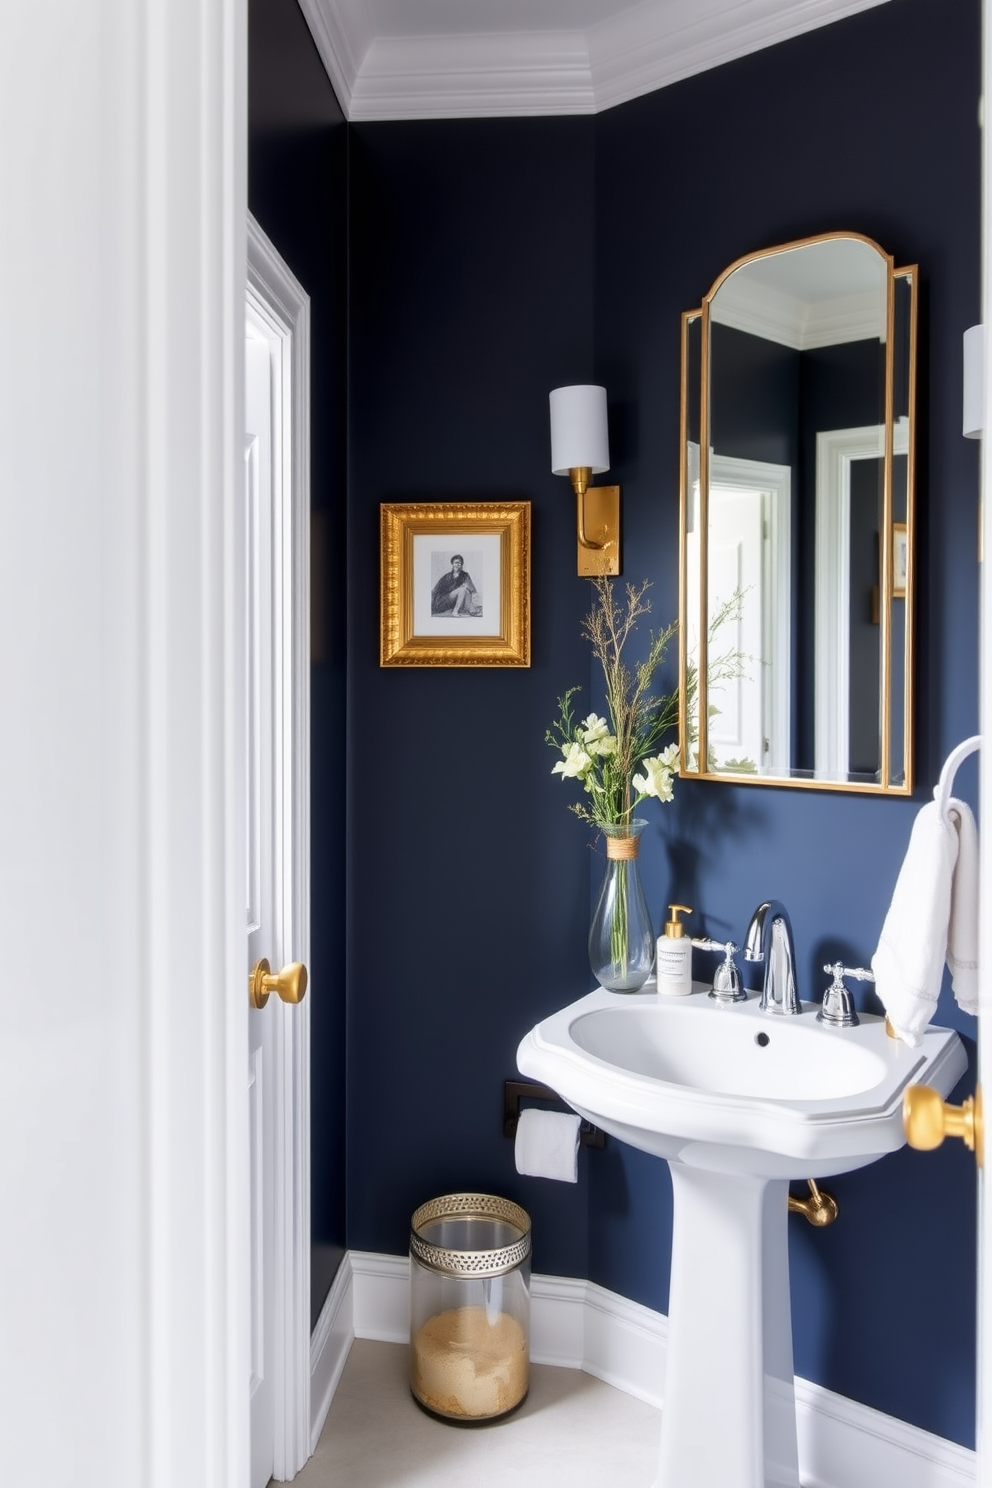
<point>260,886</point>
<point>277,881</point>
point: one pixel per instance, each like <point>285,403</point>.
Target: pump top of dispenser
<point>674,927</point>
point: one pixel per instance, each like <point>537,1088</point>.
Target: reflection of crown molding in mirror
<point>784,318</point>
<point>766,389</point>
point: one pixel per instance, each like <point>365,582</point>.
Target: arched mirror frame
<point>889,782</point>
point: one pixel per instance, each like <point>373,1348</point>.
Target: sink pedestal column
<point>729,1416</point>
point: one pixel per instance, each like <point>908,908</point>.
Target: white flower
<point>596,735</point>
<point>657,779</point>
<point>593,728</point>
<point>575,763</point>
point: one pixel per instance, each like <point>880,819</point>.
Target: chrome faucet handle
<point>838,1005</point>
<point>726,979</point>
<point>860,973</point>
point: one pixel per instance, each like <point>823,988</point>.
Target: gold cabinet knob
<point>290,983</point>
<point>927,1119</point>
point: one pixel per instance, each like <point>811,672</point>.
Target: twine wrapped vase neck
<point>621,849</point>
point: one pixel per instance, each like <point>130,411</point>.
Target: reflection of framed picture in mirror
<point>455,584</point>
<point>900,560</point>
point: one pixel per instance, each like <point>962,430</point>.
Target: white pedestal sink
<point>738,1103</point>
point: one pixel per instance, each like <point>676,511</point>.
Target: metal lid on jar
<point>443,1233</point>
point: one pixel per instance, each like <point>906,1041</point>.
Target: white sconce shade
<point>973,401</point>
<point>579,435</point>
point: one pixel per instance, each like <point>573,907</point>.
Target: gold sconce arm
<point>579,477</point>
<point>597,510</point>
<point>927,1119</point>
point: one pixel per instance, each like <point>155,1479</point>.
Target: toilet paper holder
<point>514,1091</point>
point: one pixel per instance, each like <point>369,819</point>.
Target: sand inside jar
<point>464,1365</point>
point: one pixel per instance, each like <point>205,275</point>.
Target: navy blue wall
<point>869,124</point>
<point>297,191</point>
<point>471,297</point>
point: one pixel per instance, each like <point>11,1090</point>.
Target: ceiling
<point>437,59</point>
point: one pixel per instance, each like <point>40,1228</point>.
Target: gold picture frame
<point>455,584</point>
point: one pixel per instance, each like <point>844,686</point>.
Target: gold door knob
<point>290,983</point>
<point>927,1119</point>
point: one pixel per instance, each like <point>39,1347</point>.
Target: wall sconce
<point>580,448</point>
<point>973,402</point>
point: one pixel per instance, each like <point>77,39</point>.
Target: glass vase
<point>621,939</point>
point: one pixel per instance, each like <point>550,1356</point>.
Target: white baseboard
<point>329,1345</point>
<point>578,1325</point>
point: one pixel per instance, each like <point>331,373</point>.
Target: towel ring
<point>942,793</point>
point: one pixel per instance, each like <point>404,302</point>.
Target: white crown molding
<point>497,74</point>
<point>342,36</point>
<point>447,77</point>
<point>578,1325</point>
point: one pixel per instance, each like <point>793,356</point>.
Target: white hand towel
<point>547,1145</point>
<point>909,961</point>
<point>962,932</point>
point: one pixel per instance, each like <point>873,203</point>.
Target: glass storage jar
<point>469,1306</point>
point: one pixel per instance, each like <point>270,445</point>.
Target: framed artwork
<point>455,584</point>
<point>900,558</point>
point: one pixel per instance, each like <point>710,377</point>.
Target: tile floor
<point>571,1432</point>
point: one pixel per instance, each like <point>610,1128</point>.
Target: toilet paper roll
<point>547,1145</point>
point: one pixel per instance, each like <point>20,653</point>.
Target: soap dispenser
<point>674,959</point>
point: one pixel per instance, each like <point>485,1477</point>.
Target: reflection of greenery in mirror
<point>798,407</point>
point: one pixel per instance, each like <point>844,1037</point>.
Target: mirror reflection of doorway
<point>750,555</point>
<point>849,501</point>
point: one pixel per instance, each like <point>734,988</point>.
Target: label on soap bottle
<point>674,965</point>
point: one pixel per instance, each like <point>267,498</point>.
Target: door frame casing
<point>278,309</point>
<point>983,1403</point>
<point>122,849</point>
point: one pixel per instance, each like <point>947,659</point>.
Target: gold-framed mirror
<point>797,455</point>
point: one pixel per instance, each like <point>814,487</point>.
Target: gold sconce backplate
<point>601,522</point>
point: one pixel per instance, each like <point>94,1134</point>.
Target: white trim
<point>329,1347</point>
<point>775,484</point>
<point>836,450</point>
<point>124,1349</point>
<point>278,308</point>
<point>983,1402</point>
<point>342,37</point>
<point>578,1325</point>
<point>503,72</point>
<point>186,218</point>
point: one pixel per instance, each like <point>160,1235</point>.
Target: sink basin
<point>738,1102</point>
<point>783,1097</point>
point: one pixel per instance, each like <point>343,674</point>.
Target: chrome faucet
<point>769,939</point>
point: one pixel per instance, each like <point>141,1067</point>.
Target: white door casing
<point>278,548</point>
<point>983,1404</point>
<point>123,1350</point>
<point>836,450</point>
<point>765,576</point>
<point>750,508</point>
